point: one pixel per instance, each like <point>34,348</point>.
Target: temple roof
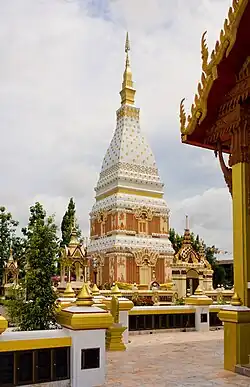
<point>187,253</point>
<point>75,248</point>
<point>219,76</point>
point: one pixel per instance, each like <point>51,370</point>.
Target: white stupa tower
<point>130,218</point>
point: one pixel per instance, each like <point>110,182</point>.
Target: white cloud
<point>60,76</point>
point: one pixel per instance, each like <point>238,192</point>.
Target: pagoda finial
<point>128,92</point>
<point>186,237</point>
<point>73,236</point>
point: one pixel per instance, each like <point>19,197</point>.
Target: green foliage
<point>67,224</point>
<point>33,306</point>
<point>19,246</point>
<point>7,232</point>
<point>180,301</point>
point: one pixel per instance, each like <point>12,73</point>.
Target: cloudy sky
<point>60,75</point>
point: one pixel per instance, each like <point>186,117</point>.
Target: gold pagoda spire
<point>186,236</point>
<point>127,92</point>
<point>73,237</point>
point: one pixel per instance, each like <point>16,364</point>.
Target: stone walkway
<point>172,360</point>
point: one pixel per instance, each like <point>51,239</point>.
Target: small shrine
<point>11,271</point>
<point>191,269</point>
<point>74,263</point>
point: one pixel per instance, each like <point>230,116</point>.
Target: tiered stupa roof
<point>129,177</point>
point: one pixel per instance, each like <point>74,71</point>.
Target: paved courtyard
<point>172,360</point>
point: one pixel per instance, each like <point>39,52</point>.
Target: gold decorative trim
<point>209,74</point>
<point>25,345</point>
<point>235,316</point>
<point>84,321</point>
<point>129,191</point>
<point>161,311</point>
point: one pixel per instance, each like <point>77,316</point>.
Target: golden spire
<point>68,292</point>
<point>116,291</point>
<point>186,237</point>
<point>73,238</point>
<point>128,92</point>
<point>84,298</point>
<point>95,290</point>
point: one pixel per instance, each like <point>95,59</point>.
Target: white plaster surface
<point>123,315</point>
<point>33,335</point>
<point>83,340</point>
<point>172,307</point>
<point>162,245</point>
<point>199,326</point>
<point>59,383</point>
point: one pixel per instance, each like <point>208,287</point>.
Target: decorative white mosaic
<point>125,202</point>
<point>129,161</point>
<point>162,245</point>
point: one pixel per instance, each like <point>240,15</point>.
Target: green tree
<point>68,222</point>
<point>7,231</point>
<point>19,247</point>
<point>219,276</point>
<point>33,306</point>
<point>175,239</point>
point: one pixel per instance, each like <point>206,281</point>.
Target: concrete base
<point>236,336</point>
<point>243,370</point>
<point>114,340</point>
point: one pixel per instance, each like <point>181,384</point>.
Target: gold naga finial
<point>128,92</point>
<point>204,52</point>
<point>182,115</point>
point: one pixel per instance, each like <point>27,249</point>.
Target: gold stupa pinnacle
<point>95,290</point>
<point>235,300</point>
<point>116,291</point>
<point>73,237</point>
<point>84,298</point>
<point>186,237</point>
<point>128,92</point>
<point>199,291</point>
<point>69,292</point>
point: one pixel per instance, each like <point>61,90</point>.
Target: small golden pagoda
<point>74,263</point>
<point>190,269</point>
<point>11,272</point>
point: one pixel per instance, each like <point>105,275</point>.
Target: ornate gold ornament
<point>209,74</point>
<point>98,259</point>
<point>146,257</point>
<point>101,216</point>
<point>144,213</point>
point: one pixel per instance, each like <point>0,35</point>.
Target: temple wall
<point>132,271</point>
<point>121,268</point>
<point>105,270</point>
<point>159,270</point>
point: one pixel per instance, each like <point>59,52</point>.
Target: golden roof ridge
<point>209,74</point>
